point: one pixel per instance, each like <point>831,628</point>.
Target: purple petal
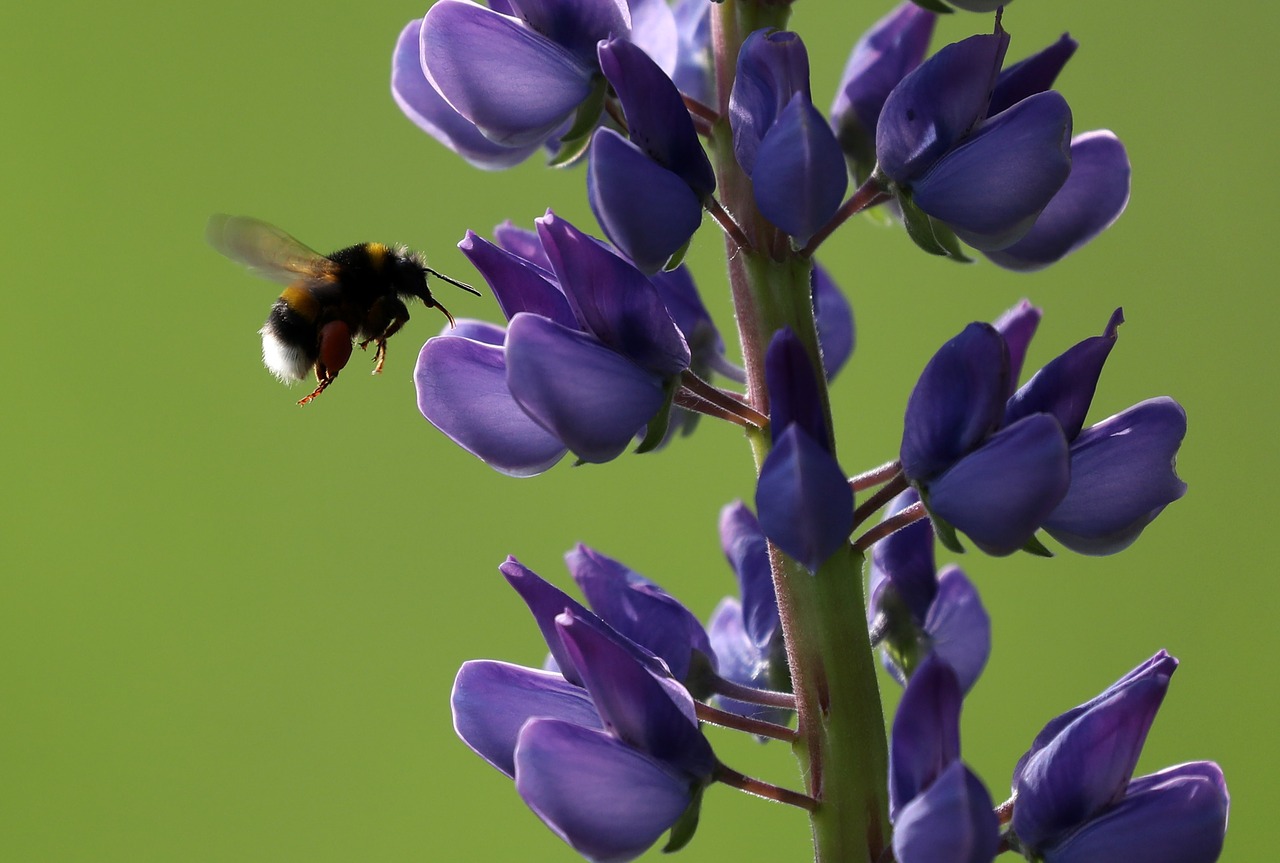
<point>577,25</point>
<point>882,57</point>
<point>747,550</point>
<point>833,315</point>
<point>935,106</point>
<point>772,68</point>
<point>991,188</point>
<point>523,243</point>
<point>612,299</point>
<point>799,177</point>
<point>605,799</point>
<point>547,602</point>
<point>1087,765</point>
<point>692,72</point>
<point>1122,476</point>
<point>427,108</point>
<point>794,396</point>
<point>680,296</point>
<point>462,390</point>
<point>587,396</point>
<point>646,711</point>
<point>1094,196</point>
<point>957,402</point>
<point>951,822</point>
<point>477,331</point>
<point>639,609</point>
<point>1002,493</point>
<point>905,559</point>
<point>645,210</point>
<point>741,661</point>
<point>658,123</point>
<point>1066,384</point>
<point>515,85</point>
<point>517,284</point>
<point>1031,75</point>
<point>804,500</point>
<point>958,627</point>
<point>926,732</point>
<point>1159,665</point>
<point>492,700</point>
<point>1178,815</point>
<point>1017,326</point>
<point>654,27</point>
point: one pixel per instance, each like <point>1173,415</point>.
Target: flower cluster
<point>687,113</point>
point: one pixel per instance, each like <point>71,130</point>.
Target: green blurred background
<point>229,625</point>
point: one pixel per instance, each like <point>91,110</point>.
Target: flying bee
<point>356,294</point>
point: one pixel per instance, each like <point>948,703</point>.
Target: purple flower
<point>999,467</point>
<point>984,169</point>
<point>893,46</point>
<point>781,140</point>
<point>747,634</point>
<point>803,498</point>
<point>647,192</point>
<point>921,611</point>
<point>515,80</point>
<point>588,361</point>
<point>1075,800</point>
<point>1094,196</point>
<point>940,810</point>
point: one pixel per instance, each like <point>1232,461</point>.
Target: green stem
<point>841,742</point>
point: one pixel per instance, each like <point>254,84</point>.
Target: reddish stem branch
<point>875,476</point>
<point>716,396</point>
<point>721,215</point>
<point>738,722</point>
<point>886,493</point>
<point>760,788</point>
<point>751,695</point>
<point>868,195</point>
<point>894,523</point>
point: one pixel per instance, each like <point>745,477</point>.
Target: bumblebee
<point>356,294</point>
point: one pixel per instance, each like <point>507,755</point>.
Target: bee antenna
<point>454,282</point>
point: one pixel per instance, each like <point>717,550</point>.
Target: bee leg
<point>323,379</point>
<point>380,352</point>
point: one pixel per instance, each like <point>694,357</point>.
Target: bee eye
<point>335,346</point>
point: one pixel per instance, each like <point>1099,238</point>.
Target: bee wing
<point>265,249</point>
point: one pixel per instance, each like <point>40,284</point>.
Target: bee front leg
<point>380,351</point>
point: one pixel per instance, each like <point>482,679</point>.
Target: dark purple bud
<point>1017,326</point>
<point>1031,75</point>
<point>613,300</point>
<point>799,178</point>
<point>952,821</point>
<point>1000,494</point>
<point>905,560</point>
<point>804,499</point>
<point>747,551</point>
<point>884,55</point>
<point>639,609</point>
<point>658,122</point>
<point>595,792</point>
<point>926,732</point>
<point>1086,765</point>
<point>833,315</point>
<point>422,104</point>
<point>1094,196</point>
<point>937,105</point>
<point>517,284</point>
<point>462,390</point>
<point>958,401</point>
<point>794,398</point>
<point>990,188</point>
<point>492,700</point>
<point>1178,815</point>
<point>653,714</point>
<point>588,396</point>
<point>1122,476</point>
<point>772,68</point>
<point>1064,387</point>
<point>645,210</point>
<point>515,85</point>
